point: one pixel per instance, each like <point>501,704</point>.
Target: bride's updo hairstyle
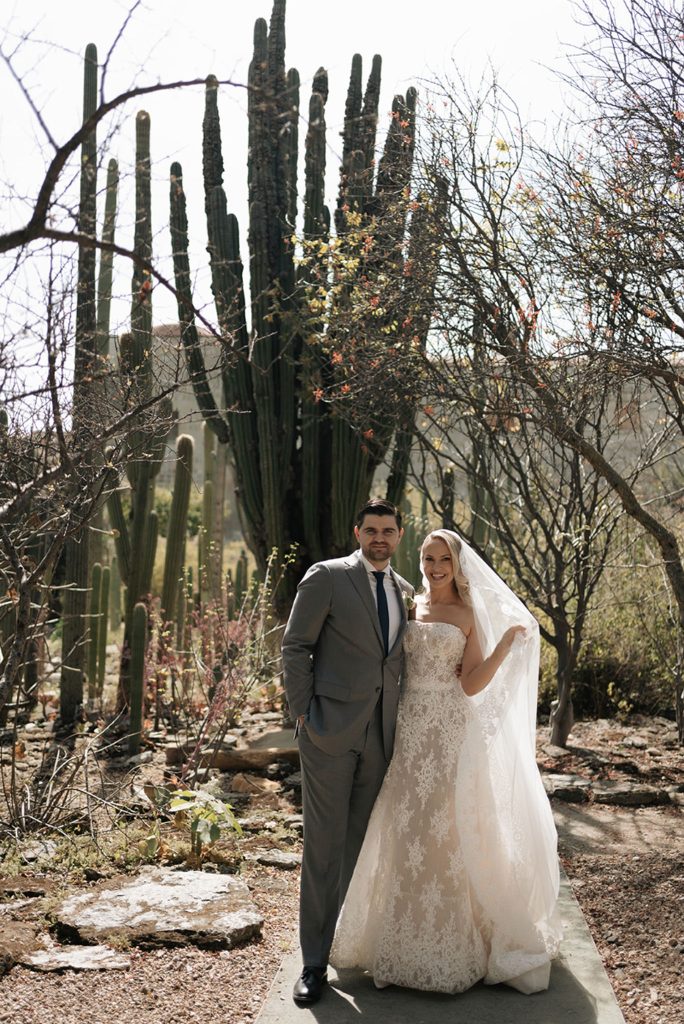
<point>453,543</point>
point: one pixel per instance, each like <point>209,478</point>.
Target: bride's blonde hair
<point>453,543</point>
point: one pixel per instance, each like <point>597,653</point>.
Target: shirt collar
<point>370,568</point>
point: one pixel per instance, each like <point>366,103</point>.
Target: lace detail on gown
<point>412,916</point>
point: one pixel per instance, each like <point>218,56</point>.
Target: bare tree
<point>522,336</point>
<point>536,510</point>
<point>60,411</point>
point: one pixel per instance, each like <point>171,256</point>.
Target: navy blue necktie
<point>383,610</point>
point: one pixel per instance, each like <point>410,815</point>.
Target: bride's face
<point>437,565</point>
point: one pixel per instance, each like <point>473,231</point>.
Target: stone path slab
<point>579,993</point>
<point>77,958</point>
<point>165,906</point>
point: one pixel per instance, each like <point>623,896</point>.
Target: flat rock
<point>294,822</point>
<point>627,794</point>
<point>273,738</point>
<point>275,858</point>
<point>551,750</point>
<point>17,938</point>
<point>235,760</point>
<point>158,736</point>
<point>146,757</point>
<point>209,750</point>
<point>245,783</point>
<point>638,742</point>
<point>32,732</point>
<point>40,849</point>
<point>571,788</point>
<point>161,906</point>
<point>77,958</point>
<point>23,885</point>
<point>257,823</point>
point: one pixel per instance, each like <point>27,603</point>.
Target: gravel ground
<point>633,905</point>
<point>626,867</point>
<point>184,985</point>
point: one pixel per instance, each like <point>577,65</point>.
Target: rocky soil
<point>626,863</point>
<point>616,793</point>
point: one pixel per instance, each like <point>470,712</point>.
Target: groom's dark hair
<point>378,507</point>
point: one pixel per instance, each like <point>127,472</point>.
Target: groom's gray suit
<point>336,674</point>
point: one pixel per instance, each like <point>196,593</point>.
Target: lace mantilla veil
<point>511,856</point>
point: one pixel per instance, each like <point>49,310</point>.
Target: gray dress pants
<point>338,793</point>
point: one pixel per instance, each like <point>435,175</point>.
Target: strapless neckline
<point>449,625</point>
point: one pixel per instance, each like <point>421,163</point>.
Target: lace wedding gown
<point>442,895</point>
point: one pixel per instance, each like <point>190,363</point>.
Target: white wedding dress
<point>458,875</point>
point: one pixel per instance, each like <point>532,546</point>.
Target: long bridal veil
<point>503,815</point>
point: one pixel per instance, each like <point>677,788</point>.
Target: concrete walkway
<point>580,992</point>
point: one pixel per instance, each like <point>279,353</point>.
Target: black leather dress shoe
<point>309,986</point>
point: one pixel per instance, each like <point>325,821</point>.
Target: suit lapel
<point>402,607</point>
<point>359,577</point>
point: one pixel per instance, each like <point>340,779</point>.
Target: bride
<point>457,879</point>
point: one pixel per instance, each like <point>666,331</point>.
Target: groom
<point>341,661</point>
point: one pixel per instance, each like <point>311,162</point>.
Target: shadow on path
<point>579,993</point>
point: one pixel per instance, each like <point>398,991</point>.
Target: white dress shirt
<point>393,598</point>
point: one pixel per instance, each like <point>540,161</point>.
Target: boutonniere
<point>409,602</point>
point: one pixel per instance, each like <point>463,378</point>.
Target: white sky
<point>170,39</point>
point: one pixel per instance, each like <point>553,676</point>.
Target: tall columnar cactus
<point>447,500</point>
<point>76,549</point>
<point>102,630</point>
<point>104,304</point>
<point>178,526</point>
<point>114,594</point>
<point>94,627</point>
<point>218,517</point>
<point>204,568</point>
<point>204,546</point>
<point>231,607</point>
<point>301,470</point>
<point>181,609</point>
<point>104,281</point>
<point>137,689</point>
<point>241,578</point>
<point>136,539</point>
<point>407,559</point>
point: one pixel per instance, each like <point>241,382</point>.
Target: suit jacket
<point>334,664</point>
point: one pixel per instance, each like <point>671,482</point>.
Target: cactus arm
<point>114,594</point>
<point>186,316</point>
<point>104,281</point>
<point>178,524</point>
<point>137,693</point>
<point>102,630</point>
<point>122,541</point>
<point>93,631</point>
<point>149,552</point>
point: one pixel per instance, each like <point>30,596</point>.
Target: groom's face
<point>379,538</point>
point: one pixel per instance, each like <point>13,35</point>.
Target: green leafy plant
<point>205,815</point>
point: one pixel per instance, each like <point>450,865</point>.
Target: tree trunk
<point>562,716</point>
